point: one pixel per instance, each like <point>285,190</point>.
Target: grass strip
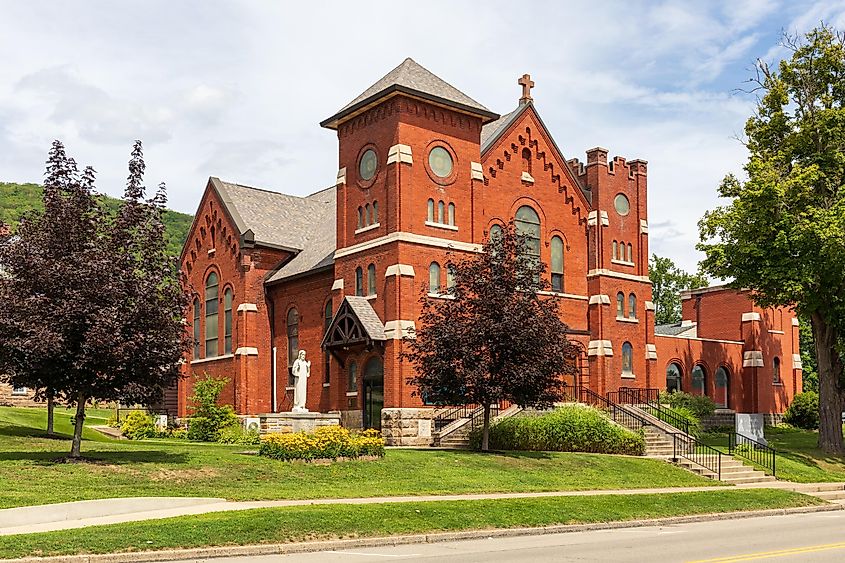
<point>309,523</point>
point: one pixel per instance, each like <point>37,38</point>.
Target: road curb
<point>306,547</point>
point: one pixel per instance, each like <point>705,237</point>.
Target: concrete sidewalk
<point>70,515</point>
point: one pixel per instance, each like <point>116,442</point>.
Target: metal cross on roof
<point>526,84</point>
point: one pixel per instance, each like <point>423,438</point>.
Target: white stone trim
<point>643,227</point>
<point>352,393</point>
<point>628,319</point>
<point>776,332</point>
<point>752,359</point>
<point>400,153</point>
<point>204,360</point>
<point>600,348</point>
<point>338,284</point>
<point>211,251</point>
<point>367,228</point>
<point>371,296</point>
<point>620,275</point>
<point>441,225</point>
<point>563,295</point>
<point>650,351</point>
<point>246,351</point>
<point>649,306</point>
<point>526,177</point>
<point>600,299</point>
<point>796,362</point>
<point>622,262</point>
<point>401,236</point>
<point>591,218</point>
<point>400,270</point>
<point>605,222</point>
<point>400,329</point>
<point>627,376</point>
<point>440,295</point>
<point>476,171</point>
<point>326,384</point>
<point>750,317</point>
<point>341,177</point>
<point>247,308</point>
<point>795,321</point>
<point>687,322</point>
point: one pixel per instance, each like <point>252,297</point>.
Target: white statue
<point>301,372</point>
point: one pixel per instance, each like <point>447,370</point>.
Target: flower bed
<point>327,442</point>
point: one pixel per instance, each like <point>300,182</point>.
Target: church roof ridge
<point>411,78</point>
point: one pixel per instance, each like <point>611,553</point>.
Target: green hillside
<point>17,199</point>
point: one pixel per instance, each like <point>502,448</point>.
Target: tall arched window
<point>557,263</point>
<point>371,279</point>
<point>441,212</point>
<point>196,328</point>
<point>212,304</point>
<point>527,224</point>
<point>359,281</point>
<point>620,304</point>
<point>673,377</point>
<point>632,306</point>
<point>327,361</point>
<point>352,380</point>
<point>367,215</point>
<point>360,217</point>
<point>429,212</point>
<point>293,340</point>
<point>495,231</point>
<point>615,253</point>
<point>227,321</point>
<point>451,217</point>
<point>434,278</point>
<point>450,277</point>
<point>627,358</point>
<point>776,370</point>
<point>722,387</point>
<point>699,380</point>
<point>375,212</point>
<point>630,253</point>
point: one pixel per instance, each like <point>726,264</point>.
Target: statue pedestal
<point>286,422</point>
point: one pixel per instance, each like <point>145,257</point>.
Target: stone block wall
<point>407,427</point>
<point>8,398</point>
<point>287,422</point>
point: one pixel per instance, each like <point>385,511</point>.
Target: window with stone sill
<point>627,359</point>
<point>371,279</point>
<point>776,371</point>
<point>17,391</point>
<point>196,328</point>
<point>557,264</point>
<point>434,278</point>
<point>359,281</point>
<point>632,306</point>
<point>620,305</point>
<point>212,294</point>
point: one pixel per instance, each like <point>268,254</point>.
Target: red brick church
<point>425,170</point>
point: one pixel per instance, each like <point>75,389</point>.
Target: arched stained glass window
<point>359,281</point>
<point>620,304</point>
<point>212,324</point>
<point>196,328</point>
<point>557,263</point>
<point>434,278</point>
<point>632,306</point>
<point>227,321</point>
<point>673,377</point>
<point>627,358</point>
<point>371,279</point>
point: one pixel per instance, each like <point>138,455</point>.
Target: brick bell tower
<point>621,352</point>
<point>409,148</point>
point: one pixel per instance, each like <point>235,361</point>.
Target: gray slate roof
<point>368,317</point>
<point>411,77</point>
<point>672,329</point>
<point>491,131</point>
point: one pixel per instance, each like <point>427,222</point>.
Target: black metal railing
<point>643,395</point>
<point>450,415</point>
<point>477,419</point>
<point>618,414</point>
<point>639,398</point>
<point>689,448</point>
<point>756,452</point>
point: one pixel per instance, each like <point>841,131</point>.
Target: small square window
<point>17,391</point>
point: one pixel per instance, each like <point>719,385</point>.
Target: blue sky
<point>236,89</point>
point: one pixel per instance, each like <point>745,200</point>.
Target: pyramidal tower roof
<point>413,79</point>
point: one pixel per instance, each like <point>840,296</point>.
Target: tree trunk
<point>830,389</point>
<point>77,430</point>
<point>485,433</point>
<point>50,407</point>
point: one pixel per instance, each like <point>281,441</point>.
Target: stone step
<point>761,478</point>
<point>830,495</point>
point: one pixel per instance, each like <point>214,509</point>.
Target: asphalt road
<point>802,537</point>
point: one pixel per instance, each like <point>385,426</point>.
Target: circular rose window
<point>621,204</point>
<point>367,165</point>
<point>440,162</point>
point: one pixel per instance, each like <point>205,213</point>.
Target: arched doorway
<point>723,384</point>
<point>373,392</point>
<point>673,378</point>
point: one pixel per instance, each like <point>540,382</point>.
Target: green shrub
<point>235,434</point>
<point>138,425</point>
<point>803,412</point>
<point>201,429</point>
<point>113,422</point>
<point>327,442</point>
<point>572,428</point>
<point>699,405</point>
<point>214,417</point>
<point>688,415</point>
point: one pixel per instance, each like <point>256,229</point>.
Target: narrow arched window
<point>557,263</point>
<point>721,378</point>
<point>630,253</point>
<point>526,160</point>
<point>196,328</point>
<point>452,214</point>
<point>495,232</point>
<point>429,216</point>
<point>627,358</point>
<point>673,378</point>
<point>212,304</point>
<point>227,321</point>
<point>293,340</point>
<point>776,370</point>
<point>527,224</point>
<point>699,380</point>
<point>359,281</point>
<point>632,306</point>
<point>620,304</point>
<point>450,278</point>
<point>434,278</point>
<point>367,215</point>
<point>352,380</point>
<point>441,211</point>
<point>375,212</point>
<point>615,254</point>
<point>327,360</point>
<point>371,279</point>
<point>360,218</point>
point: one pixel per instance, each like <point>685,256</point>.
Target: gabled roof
<point>367,315</point>
<point>675,329</point>
<point>355,323</point>
<point>412,79</point>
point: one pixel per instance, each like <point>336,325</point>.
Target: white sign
<point>750,426</point>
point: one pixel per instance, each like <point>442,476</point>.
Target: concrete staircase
<point>831,492</point>
<point>456,434</point>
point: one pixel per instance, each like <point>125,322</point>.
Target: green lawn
<point>29,474</point>
<point>280,525</point>
<point>798,457</point>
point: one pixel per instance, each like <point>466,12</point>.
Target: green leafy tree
<point>783,232</point>
<point>496,339</point>
<point>667,283</point>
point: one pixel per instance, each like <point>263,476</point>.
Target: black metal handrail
<point>756,452</point>
<point>449,416</point>
<point>627,396</point>
<point>643,394</point>
<point>691,449</point>
<point>620,415</point>
<point>477,418</point>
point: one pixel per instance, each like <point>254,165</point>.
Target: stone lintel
<point>247,308</point>
<point>246,351</point>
